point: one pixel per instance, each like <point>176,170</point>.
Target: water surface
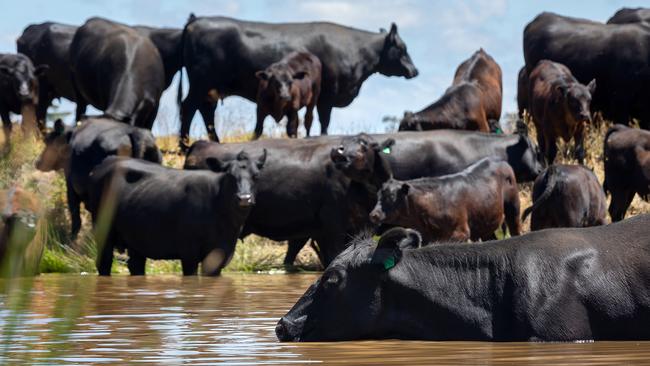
<point>174,320</point>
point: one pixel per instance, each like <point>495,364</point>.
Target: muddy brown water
<point>173,320</point>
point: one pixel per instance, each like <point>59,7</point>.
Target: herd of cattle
<point>452,178</point>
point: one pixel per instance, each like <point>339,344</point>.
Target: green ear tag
<point>499,131</point>
<point>386,150</point>
<point>389,263</point>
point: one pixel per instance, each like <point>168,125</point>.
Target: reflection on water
<point>64,319</point>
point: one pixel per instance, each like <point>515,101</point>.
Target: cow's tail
<point>551,180</point>
<point>611,130</point>
<point>179,97</point>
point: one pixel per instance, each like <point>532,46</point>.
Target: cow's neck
<point>371,54</point>
<point>477,278</point>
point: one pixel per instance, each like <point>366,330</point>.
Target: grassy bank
<point>253,254</point>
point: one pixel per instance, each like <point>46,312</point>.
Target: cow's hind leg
<point>292,123</point>
<point>136,263</point>
<point>324,115</point>
<point>190,267</point>
<point>295,246</point>
<point>207,110</point>
<point>188,109</point>
<point>74,203</point>
<point>309,118</point>
<point>105,256</point>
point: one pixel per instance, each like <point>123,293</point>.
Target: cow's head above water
<point>360,158</point>
<point>395,60</point>
<point>351,300</point>
<point>19,72</point>
<point>56,154</point>
<point>244,171</point>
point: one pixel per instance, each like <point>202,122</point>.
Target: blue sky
<point>439,35</point>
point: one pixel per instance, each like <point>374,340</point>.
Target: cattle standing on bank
<point>567,196</point>
<point>118,71</point>
<point>285,87</point>
<point>560,107</point>
<point>221,56</point>
<point>471,204</point>
<point>496,292</point>
<point>333,183</point>
<point>627,167</point>
<point>593,50</point>
<point>473,102</point>
<point>49,44</point>
<point>18,90</point>
<point>164,213</point>
<point>78,150</point>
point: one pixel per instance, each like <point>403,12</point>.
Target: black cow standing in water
<point>221,56</point>
<point>550,285</point>
<point>118,71</point>
<point>163,213</point>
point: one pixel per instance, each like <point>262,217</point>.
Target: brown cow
<point>567,196</point>
<point>471,204</point>
<point>559,106</point>
<point>627,167</point>
<point>20,214</point>
<point>285,87</point>
<point>473,102</point>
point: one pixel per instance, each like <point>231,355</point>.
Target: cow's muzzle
<point>246,200</point>
<point>286,330</point>
<point>376,217</point>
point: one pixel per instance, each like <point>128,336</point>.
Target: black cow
<point>78,150</point>
<point>630,15</point>
<point>567,196</point>
<point>163,213</point>
<point>221,56</point>
<point>616,55</point>
<point>319,202</point>
<point>49,44</point>
<point>434,153</point>
<point>627,167</point>
<point>118,71</point>
<point>18,90</point>
<point>550,285</point>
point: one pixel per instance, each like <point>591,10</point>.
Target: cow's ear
<point>592,86</point>
<point>4,70</point>
<point>392,243</point>
<point>216,165</point>
<point>386,146</point>
<point>393,30</point>
<point>404,189</point>
<point>262,75</point>
<point>261,160</point>
<point>300,75</point>
<point>41,70</point>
